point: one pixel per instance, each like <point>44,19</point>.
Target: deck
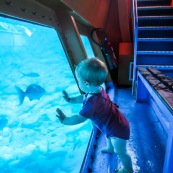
<point>147,142</point>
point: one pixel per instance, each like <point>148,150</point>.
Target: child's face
<point>84,85</point>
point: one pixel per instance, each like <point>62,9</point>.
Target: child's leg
<point>121,151</point>
<point>109,148</point>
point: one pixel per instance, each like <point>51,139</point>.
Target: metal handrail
<point>135,39</point>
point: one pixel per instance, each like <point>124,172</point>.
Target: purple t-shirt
<point>105,115</point>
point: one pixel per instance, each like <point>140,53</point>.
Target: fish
<point>33,92</point>
<point>3,122</point>
<point>32,74</point>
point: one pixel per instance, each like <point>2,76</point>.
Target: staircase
<point>153,45</point>
<point>155,33</point>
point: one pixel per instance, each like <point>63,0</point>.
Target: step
<point>155,45</point>
<point>152,2</point>
<point>155,17</point>
<point>154,58</point>
<point>155,32</point>
<point>155,40</point>
<point>155,53</point>
<point>155,21</point>
<point>155,11</point>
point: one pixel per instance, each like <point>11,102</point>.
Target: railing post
<point>135,37</point>
<point>168,162</point>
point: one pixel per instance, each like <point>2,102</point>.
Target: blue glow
<point>87,46</point>
<point>31,137</point>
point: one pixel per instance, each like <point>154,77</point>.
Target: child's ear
<point>87,84</point>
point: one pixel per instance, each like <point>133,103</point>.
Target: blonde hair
<point>93,71</point>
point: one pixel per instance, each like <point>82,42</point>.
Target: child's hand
<point>66,96</point>
<point>60,115</point>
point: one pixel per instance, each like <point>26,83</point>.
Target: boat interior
<point>135,40</point>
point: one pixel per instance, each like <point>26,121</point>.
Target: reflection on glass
<point>87,46</point>
<point>34,71</point>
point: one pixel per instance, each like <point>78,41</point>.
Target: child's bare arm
<point>73,120</point>
<point>77,99</point>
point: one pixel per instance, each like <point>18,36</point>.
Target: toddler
<point>98,107</point>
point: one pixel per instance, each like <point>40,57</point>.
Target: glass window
<point>87,46</point>
<point>34,71</point>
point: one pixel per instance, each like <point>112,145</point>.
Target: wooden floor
<point>147,142</point>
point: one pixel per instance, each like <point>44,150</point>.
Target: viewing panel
<point>34,72</point>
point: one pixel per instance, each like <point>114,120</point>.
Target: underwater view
<point>34,72</point>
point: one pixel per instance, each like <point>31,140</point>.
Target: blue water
<point>32,140</point>
<point>87,46</point>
